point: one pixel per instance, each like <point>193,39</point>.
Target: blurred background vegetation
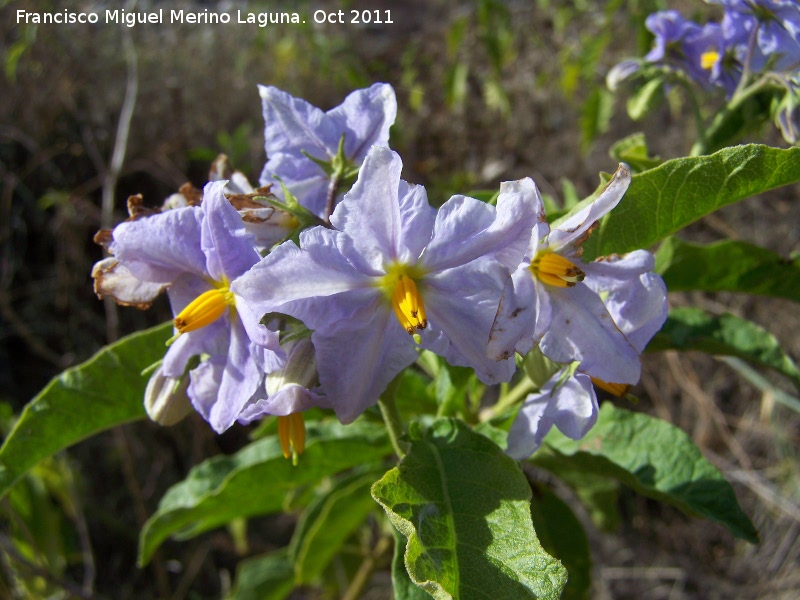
<point>488,91</point>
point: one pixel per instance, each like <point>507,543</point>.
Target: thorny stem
<point>391,416</point>
<point>367,568</point>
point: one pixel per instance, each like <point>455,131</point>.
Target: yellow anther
<point>204,310</point>
<point>553,269</point>
<point>615,389</point>
<point>709,59</point>
<point>407,304</point>
<point>292,435</point>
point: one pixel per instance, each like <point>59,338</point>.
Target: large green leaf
<point>265,577</point>
<point>655,459</point>
<point>327,523</point>
<point>563,536</point>
<point>730,266</point>
<point>403,587</point>
<point>689,328</point>
<point>256,479</point>
<point>105,391</point>
<point>666,199</point>
<point>465,508</point>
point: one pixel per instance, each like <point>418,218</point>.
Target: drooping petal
<point>569,230</point>
<point>365,117</point>
<point>229,249</point>
<point>635,297</point>
<point>523,316</point>
<point>160,247</point>
<point>467,229</point>
<point>213,340</point>
<point>358,359</point>
<point>241,379</point>
<point>583,330</point>
<point>571,407</point>
<point>462,303</point>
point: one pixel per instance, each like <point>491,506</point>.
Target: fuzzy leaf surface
<point>464,507</point>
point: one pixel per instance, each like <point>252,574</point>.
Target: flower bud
<point>165,398</point>
<point>538,367</point>
<point>620,73</point>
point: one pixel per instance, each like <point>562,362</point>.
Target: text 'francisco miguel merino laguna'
<point>132,18</point>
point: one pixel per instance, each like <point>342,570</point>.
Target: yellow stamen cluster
<point>204,310</point>
<point>408,306</point>
<point>292,435</point>
<point>709,59</point>
<point>615,389</point>
<point>553,269</point>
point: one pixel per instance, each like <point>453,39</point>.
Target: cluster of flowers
<point>754,39</point>
<point>297,294</point>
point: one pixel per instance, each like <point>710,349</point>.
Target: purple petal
<point>229,249</point>
<point>583,330</point>
<point>213,339</point>
<point>522,318</point>
<point>160,247</point>
<point>569,230</point>
<point>463,304</point>
<point>635,297</point>
<point>358,359</point>
<point>571,407</point>
<point>365,117</point>
<point>292,125</point>
<point>304,179</point>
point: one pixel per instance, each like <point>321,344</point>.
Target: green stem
<point>506,401</point>
<point>391,416</point>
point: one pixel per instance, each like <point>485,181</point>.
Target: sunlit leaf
<point>666,199</point>
<point>465,508</point>
<point>655,459</point>
<point>563,536</point>
<point>105,391</point>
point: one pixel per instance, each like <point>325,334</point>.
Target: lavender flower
<point>394,271</point>
<point>196,252</point>
<point>636,299</point>
<point>548,302</point>
<point>298,136</point>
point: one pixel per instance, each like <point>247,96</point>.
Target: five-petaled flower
<point>391,271</point>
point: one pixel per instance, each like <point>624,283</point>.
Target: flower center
<point>205,309</point>
<point>401,289</point>
<point>709,59</point>
<point>292,435</point>
<point>554,269</point>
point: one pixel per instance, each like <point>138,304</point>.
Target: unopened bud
<point>538,367</point>
<point>165,398</point>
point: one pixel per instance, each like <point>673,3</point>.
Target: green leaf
<point>265,577</point>
<point>403,587</point>
<point>689,328</point>
<point>106,390</point>
<point>596,114</point>
<point>465,508</point>
<point>730,266</point>
<point>646,98</point>
<point>655,459</point>
<point>328,522</point>
<point>255,480</point>
<point>666,199</point>
<point>563,536</point>
<point>633,151</point>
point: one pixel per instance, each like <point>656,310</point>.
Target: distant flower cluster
<point>319,287</point>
